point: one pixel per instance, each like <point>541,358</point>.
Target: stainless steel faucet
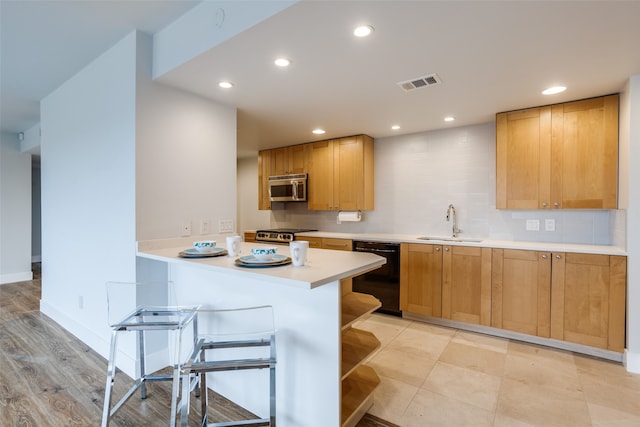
<point>451,211</point>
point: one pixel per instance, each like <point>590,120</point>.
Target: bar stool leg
<point>111,377</point>
<point>141,364</point>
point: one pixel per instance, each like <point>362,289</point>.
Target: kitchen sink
<point>450,239</point>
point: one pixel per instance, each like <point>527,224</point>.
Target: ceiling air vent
<point>419,82</point>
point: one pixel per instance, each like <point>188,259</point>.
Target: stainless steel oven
<point>384,282</point>
<point>281,236</point>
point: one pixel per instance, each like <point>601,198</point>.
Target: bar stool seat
<point>231,340</point>
<point>156,312</point>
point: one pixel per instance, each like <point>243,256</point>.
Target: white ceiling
<point>490,55</point>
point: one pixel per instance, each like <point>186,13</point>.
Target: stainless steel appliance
<point>384,282</point>
<point>288,188</point>
<point>279,235</point>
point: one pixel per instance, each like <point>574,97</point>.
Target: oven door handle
<point>386,251</point>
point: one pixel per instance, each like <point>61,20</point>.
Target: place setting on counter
<point>260,257</point>
<point>268,256</point>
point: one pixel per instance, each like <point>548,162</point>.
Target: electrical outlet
<point>205,226</point>
<point>225,226</point>
<point>549,225</point>
<point>533,225</point>
<point>185,229</point>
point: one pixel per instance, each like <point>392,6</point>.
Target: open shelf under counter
<point>357,394</point>
<point>357,346</point>
<point>356,305</point>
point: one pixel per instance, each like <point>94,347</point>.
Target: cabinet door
<point>523,145</point>
<point>421,279</point>
<point>321,176</point>
<point>298,158</point>
<point>588,299</point>
<point>521,291</point>
<point>584,156</point>
<point>466,284</point>
<point>279,161</point>
<point>264,167</point>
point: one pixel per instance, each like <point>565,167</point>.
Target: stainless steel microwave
<point>288,188</point>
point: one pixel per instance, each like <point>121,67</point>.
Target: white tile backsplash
<point>417,176</point>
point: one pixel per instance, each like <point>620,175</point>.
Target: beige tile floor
<point>436,376</point>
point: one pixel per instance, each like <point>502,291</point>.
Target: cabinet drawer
<point>337,244</point>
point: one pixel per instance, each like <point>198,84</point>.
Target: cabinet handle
<point>437,249</point>
<point>545,204</point>
<point>556,205</point>
<point>558,257</point>
<point>544,257</point>
<point>446,249</point>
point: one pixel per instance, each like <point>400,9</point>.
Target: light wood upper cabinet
<point>264,168</point>
<point>421,279</point>
<point>466,284</point>
<point>588,299</point>
<point>563,156</point>
<point>521,291</point>
<point>341,174</point>
<point>289,160</point>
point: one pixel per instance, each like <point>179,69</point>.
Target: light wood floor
<point>50,378</point>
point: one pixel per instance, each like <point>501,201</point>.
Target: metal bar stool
<point>143,308</point>
<point>231,340</point>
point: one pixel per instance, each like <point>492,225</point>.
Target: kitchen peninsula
<point>311,303</point>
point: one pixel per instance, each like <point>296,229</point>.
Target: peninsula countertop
<point>323,266</point>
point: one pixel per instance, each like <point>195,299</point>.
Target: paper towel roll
<point>349,216</point>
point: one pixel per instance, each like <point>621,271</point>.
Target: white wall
<point>418,175</point>
<point>15,211</point>
<point>249,217</point>
<point>88,191</point>
<point>123,159</point>
<point>185,159</point>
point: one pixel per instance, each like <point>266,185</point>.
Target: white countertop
<point>323,266</point>
<point>504,244</point>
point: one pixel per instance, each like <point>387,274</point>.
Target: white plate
<point>194,252</point>
<point>250,259</point>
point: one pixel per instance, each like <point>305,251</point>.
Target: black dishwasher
<point>384,282</point>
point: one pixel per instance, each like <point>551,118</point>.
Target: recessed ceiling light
<point>225,85</point>
<point>553,90</point>
<point>449,119</point>
<point>318,131</point>
<point>363,31</point>
<point>282,62</point>
<point>395,127</point>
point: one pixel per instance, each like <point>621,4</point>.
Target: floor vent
<point>420,82</point>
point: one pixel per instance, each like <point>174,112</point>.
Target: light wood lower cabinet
<point>358,380</point>
<point>578,298</point>
<point>466,284</point>
<point>588,299</point>
<point>421,279</point>
<point>521,291</point>
<point>249,236</point>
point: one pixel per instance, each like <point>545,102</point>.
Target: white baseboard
<point>16,277</point>
<point>632,361</point>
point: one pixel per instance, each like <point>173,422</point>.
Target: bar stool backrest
<point>125,298</point>
<point>233,324</point>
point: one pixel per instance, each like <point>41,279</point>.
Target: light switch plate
<point>533,225</point>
